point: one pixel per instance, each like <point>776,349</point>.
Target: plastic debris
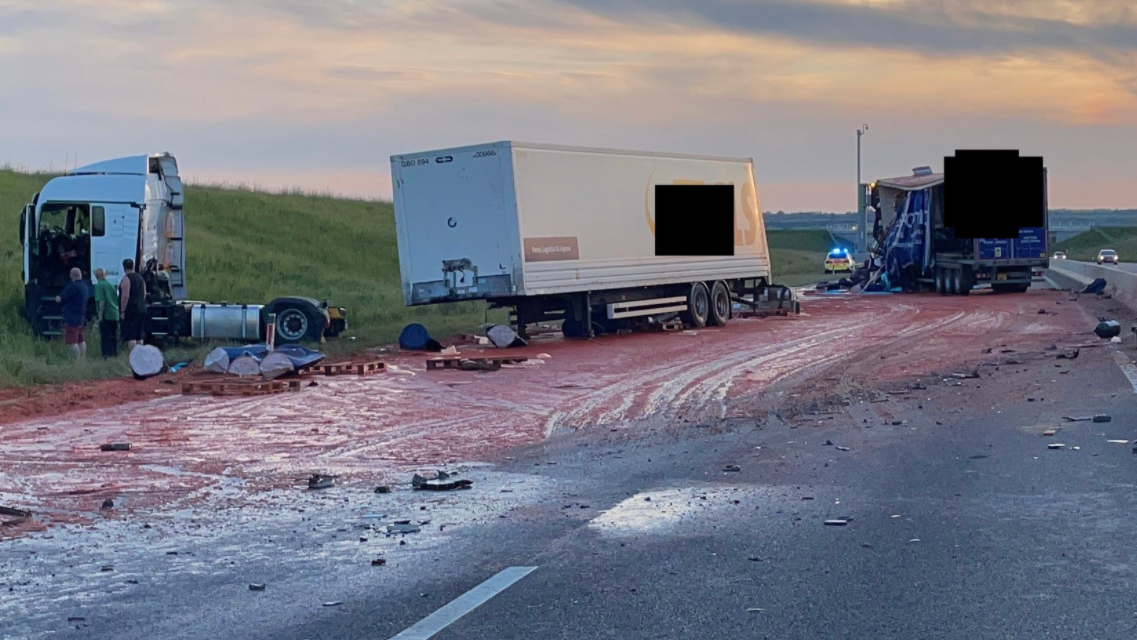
<point>1108,329</point>
<point>257,586</point>
<point>1097,287</point>
<point>115,446</point>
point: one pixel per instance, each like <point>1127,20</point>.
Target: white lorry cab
<point>101,214</point>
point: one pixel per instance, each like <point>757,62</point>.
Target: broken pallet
<point>456,363</point>
<point>239,388</point>
<point>346,368</point>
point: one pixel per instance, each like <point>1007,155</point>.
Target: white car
<point>1059,255</point>
<point>1108,255</point>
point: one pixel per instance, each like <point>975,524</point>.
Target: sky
<point>319,94</point>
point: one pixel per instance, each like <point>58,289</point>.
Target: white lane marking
<point>464,604</point>
<point>1127,367</point>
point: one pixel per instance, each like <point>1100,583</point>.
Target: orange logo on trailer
<point>741,236</point>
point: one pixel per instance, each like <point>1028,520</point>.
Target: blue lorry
<point>915,250</point>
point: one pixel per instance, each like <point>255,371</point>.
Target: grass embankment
<point>798,256</point>
<point>243,246</point>
<point>1085,246</point>
<point>248,246</point>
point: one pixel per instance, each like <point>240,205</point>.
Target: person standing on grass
<point>73,305</point>
<point>132,304</point>
<point>106,304</point>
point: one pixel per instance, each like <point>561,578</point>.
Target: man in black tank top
<point>132,304</point>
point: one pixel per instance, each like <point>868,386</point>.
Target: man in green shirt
<point>106,304</point>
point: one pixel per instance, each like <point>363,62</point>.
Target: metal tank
<point>226,321</point>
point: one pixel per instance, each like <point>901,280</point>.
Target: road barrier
<point>1120,284</point>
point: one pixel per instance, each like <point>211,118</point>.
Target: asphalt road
<point>961,523</point>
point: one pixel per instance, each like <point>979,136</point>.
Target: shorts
<point>73,334</point>
<point>132,327</point>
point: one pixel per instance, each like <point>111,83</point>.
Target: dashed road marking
<point>1127,368</point>
<point>464,604</point>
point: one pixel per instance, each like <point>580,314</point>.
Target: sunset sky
<point>319,94</point>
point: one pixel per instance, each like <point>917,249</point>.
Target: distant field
<point>246,246</point>
<point>1085,246</point>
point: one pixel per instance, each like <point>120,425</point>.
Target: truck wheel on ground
<point>966,281</point>
<point>957,282</point>
<point>941,287</point>
<point>698,306</point>
<point>720,304</point>
<point>572,328</point>
<point>296,324</point>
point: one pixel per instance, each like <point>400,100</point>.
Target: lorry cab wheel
<point>720,304</point>
<point>939,273</point>
<point>698,305</point>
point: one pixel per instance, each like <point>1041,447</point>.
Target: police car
<point>839,259</point>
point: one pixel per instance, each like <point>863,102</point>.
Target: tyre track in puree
<point>380,428</point>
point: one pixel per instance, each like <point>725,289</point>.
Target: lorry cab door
<point>112,238</point>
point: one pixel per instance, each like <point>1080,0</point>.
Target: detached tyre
<point>720,304</point>
<point>698,306</point>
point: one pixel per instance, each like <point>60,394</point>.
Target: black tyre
<point>720,304</point>
<point>295,324</point>
<point>698,306</point>
<point>941,285</point>
<point>572,328</point>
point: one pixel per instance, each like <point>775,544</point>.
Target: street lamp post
<point>861,193</point>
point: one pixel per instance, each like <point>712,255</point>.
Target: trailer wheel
<point>941,287</point>
<point>720,304</point>
<point>698,306</point>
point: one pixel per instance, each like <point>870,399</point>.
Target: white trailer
<point>569,233</point>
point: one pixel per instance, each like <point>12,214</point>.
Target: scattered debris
<point>318,481</point>
<point>378,562</point>
<point>107,568</point>
<point>403,527</point>
<point>107,504</point>
<point>441,482</point>
<point>837,522</point>
<point>18,516</point>
<point>753,609</point>
<point>1097,287</point>
<point>257,586</point>
<point>1042,312</point>
<point>807,497</point>
<point>382,489</point>
<point>987,350</point>
<point>970,375</point>
<point>115,446</point>
<point>334,603</point>
<point>731,468</point>
<point>76,619</point>
<point>843,448</point>
<point>914,540</point>
<point>504,337</point>
<point>829,443</point>
<point>449,351</point>
<point>1055,445</point>
<point>1051,431</point>
<point>979,456</point>
<point>1118,441</point>
<point>1108,329</point>
<point>1102,418</point>
<point>415,337</point>
<point>146,360</point>
<point>1077,418</point>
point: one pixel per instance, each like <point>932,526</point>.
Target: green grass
<point>249,246</point>
<point>1085,246</point>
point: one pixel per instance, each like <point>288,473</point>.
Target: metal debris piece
<point>1055,445</point>
<point>753,610</point>
<point>970,375</point>
<point>1050,432</point>
<point>107,568</point>
<point>115,446</point>
<point>1102,418</point>
<point>334,603</point>
<point>1077,418</point>
<point>842,448</point>
<point>403,528</point>
<point>979,456</point>
<point>1118,441</point>
<point>382,489</point>
<point>18,516</point>
<point>319,481</point>
<point>378,562</point>
<point>257,586</point>
<point>731,468</point>
<point>836,522</point>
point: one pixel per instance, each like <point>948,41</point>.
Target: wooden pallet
<point>346,368</point>
<point>455,363</point>
<point>239,387</point>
